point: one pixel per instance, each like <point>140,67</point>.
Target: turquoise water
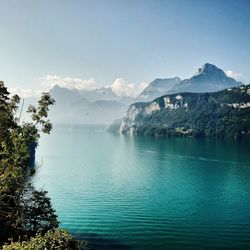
<point>122,192</point>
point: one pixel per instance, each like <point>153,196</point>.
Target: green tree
<point>37,212</point>
<point>19,201</point>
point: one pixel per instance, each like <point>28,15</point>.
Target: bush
<point>53,239</point>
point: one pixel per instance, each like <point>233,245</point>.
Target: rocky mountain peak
<point>210,69</point>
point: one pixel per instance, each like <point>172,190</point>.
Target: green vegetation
<point>223,114</point>
<point>26,214</point>
<point>56,239</point>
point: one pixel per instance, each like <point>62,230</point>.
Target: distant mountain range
<point>99,106</point>
<point>65,95</point>
<point>223,114</point>
<point>103,106</point>
<point>209,78</point>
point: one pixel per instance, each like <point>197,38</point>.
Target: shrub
<point>54,239</point>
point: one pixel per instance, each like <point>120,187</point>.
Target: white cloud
<point>123,88</point>
<point>120,87</point>
<point>50,81</point>
<point>24,93</point>
<point>235,75</point>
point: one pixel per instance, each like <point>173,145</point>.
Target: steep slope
<point>157,88</point>
<point>220,114</point>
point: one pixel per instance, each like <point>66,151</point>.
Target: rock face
<point>127,124</point>
<point>224,113</point>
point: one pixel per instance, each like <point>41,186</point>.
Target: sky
<point>93,43</point>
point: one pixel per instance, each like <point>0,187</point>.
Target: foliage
<point>23,210</point>
<point>38,214</point>
<point>53,239</point>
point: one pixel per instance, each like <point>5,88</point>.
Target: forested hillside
<point>224,114</point>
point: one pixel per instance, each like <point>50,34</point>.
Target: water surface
<point>122,192</point>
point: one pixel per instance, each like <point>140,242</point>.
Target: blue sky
<point>136,40</point>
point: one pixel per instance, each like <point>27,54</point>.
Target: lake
<point>124,192</point>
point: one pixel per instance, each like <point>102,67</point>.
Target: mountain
<point>104,93</point>
<point>157,88</point>
<point>209,78</point>
<point>223,114</point>
<point>99,106</point>
<point>64,96</point>
<point>103,105</point>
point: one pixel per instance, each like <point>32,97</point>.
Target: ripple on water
<point>148,193</point>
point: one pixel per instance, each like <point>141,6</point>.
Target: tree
<point>19,201</point>
<point>37,212</point>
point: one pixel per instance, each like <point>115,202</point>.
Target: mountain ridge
<point>208,78</point>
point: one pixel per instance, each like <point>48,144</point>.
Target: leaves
<point>20,203</point>
<point>53,239</point>
<point>40,114</point>
<point>37,212</point>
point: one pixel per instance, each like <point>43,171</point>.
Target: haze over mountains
<point>157,88</point>
<point>99,106</point>
<point>103,106</point>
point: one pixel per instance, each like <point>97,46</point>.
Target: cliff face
<point>219,114</point>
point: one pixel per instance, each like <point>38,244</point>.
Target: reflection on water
<point>96,242</point>
<point>148,193</point>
